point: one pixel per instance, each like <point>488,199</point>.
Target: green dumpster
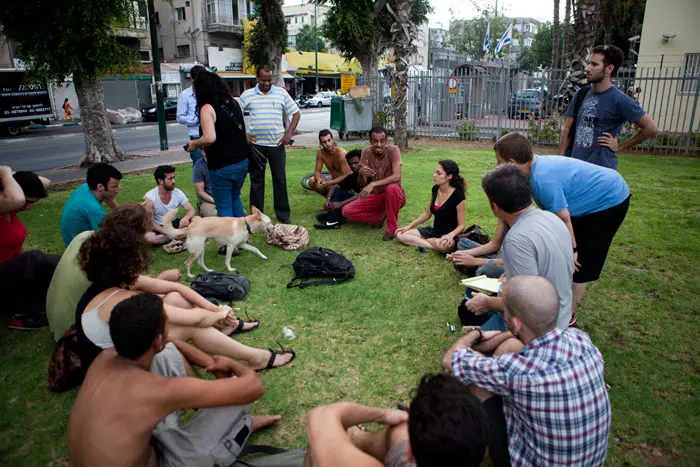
<point>337,114</point>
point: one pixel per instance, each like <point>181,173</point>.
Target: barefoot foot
<point>262,421</point>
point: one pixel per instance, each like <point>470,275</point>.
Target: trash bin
<point>358,115</point>
<point>337,114</point>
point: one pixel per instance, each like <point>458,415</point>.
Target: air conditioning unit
<point>145,56</point>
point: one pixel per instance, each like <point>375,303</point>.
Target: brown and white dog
<point>230,231</point>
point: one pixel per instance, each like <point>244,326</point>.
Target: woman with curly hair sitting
<point>113,259</point>
<point>448,204</point>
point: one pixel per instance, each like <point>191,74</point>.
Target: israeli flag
<point>485,48</point>
<point>506,39</point>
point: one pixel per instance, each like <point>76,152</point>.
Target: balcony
<point>222,16</point>
<point>137,28</point>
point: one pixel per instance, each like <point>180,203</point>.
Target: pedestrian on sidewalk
<point>67,111</point>
<point>267,105</point>
<point>187,111</point>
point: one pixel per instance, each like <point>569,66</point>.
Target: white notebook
<point>483,284</point>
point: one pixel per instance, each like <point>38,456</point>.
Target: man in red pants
<point>380,175</point>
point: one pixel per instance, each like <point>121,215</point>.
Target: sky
<point>463,9</point>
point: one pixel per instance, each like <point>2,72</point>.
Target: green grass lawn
<point>370,340</point>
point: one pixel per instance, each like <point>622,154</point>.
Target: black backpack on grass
<point>333,267</point>
<point>225,287</point>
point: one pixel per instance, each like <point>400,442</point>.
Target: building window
<point>183,50</point>
<point>249,8</point>
<point>180,12</point>
<point>156,18</point>
<point>222,12</point>
<point>161,54</point>
<point>691,74</point>
<point>145,55</point>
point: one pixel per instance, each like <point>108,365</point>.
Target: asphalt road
<point>50,148</point>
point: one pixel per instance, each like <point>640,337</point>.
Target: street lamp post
<point>316,41</point>
<point>160,107</point>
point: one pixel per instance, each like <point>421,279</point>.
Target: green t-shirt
<point>68,285</point>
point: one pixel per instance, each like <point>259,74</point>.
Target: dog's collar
<point>247,227</point>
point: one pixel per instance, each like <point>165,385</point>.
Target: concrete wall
<point>663,98</point>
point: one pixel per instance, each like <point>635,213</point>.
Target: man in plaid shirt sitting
<point>552,392</point>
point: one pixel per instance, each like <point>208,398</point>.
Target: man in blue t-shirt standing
<point>83,210</point>
<point>601,114</point>
<point>592,201</point>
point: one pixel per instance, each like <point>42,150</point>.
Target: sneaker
<point>572,321</point>
<point>27,323</point>
<point>388,236</point>
<point>327,225</point>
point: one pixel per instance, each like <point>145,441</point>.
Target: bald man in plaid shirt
<point>551,392</point>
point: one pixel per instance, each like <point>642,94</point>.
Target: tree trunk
<point>100,145</point>
<point>369,61</point>
<point>586,21</point>
<point>566,39</point>
<point>555,36</point>
<point>403,49</point>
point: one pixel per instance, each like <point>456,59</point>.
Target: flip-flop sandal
<point>174,246</point>
<point>239,329</point>
<point>274,354</point>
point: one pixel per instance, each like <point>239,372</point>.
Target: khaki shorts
<point>398,456</point>
<point>214,436</point>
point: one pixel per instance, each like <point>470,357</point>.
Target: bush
<point>549,131</point>
<point>468,130</point>
<point>667,139</point>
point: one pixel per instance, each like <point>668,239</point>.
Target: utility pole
<point>316,41</point>
<point>162,131</point>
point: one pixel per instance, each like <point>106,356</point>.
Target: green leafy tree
<point>361,29</point>
<point>467,35</point>
<point>308,38</point>
<point>56,39</point>
<point>539,55</point>
<point>268,38</point>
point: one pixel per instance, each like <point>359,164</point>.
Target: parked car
<point>320,99</point>
<point>150,113</point>
<point>528,101</point>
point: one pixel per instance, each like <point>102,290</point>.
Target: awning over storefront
<point>328,64</point>
<point>239,75</point>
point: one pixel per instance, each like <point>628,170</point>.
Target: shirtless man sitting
<point>333,157</point>
<point>126,415</point>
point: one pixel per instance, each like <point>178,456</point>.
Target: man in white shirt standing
<point>163,198</point>
<point>187,111</point>
<point>266,133</point>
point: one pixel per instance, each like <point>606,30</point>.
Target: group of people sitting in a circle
<point>523,384</point>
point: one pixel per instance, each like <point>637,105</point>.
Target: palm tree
<point>586,21</point>
<point>403,35</point>
<point>566,40</point>
<point>555,35</point>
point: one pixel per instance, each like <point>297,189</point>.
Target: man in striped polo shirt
<point>267,136</point>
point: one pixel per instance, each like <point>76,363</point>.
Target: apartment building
<point>527,27</point>
<point>298,16</point>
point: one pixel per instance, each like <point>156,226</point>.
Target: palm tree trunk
<point>403,33</point>
<point>566,39</point>
<point>586,21</point>
<point>555,36</point>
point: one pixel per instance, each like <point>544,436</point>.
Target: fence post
<point>502,90</point>
<point>694,112</point>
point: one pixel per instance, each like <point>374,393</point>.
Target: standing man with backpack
<point>597,112</point>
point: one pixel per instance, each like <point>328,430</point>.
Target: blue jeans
<point>196,154</point>
<point>226,184</point>
<point>339,195</point>
<point>489,268</point>
<point>493,322</point>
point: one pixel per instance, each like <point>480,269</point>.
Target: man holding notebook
<point>536,243</point>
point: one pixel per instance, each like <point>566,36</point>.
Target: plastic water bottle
<point>288,333</point>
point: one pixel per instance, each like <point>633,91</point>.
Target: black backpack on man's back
<point>320,262</point>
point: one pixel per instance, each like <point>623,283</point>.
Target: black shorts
<point>429,232</point>
<point>594,233</point>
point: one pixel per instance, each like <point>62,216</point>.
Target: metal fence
<point>488,103</point>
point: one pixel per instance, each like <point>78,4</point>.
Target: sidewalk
<point>152,158</point>
<point>146,160</point>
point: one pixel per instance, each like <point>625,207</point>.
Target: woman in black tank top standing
<point>224,138</point>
